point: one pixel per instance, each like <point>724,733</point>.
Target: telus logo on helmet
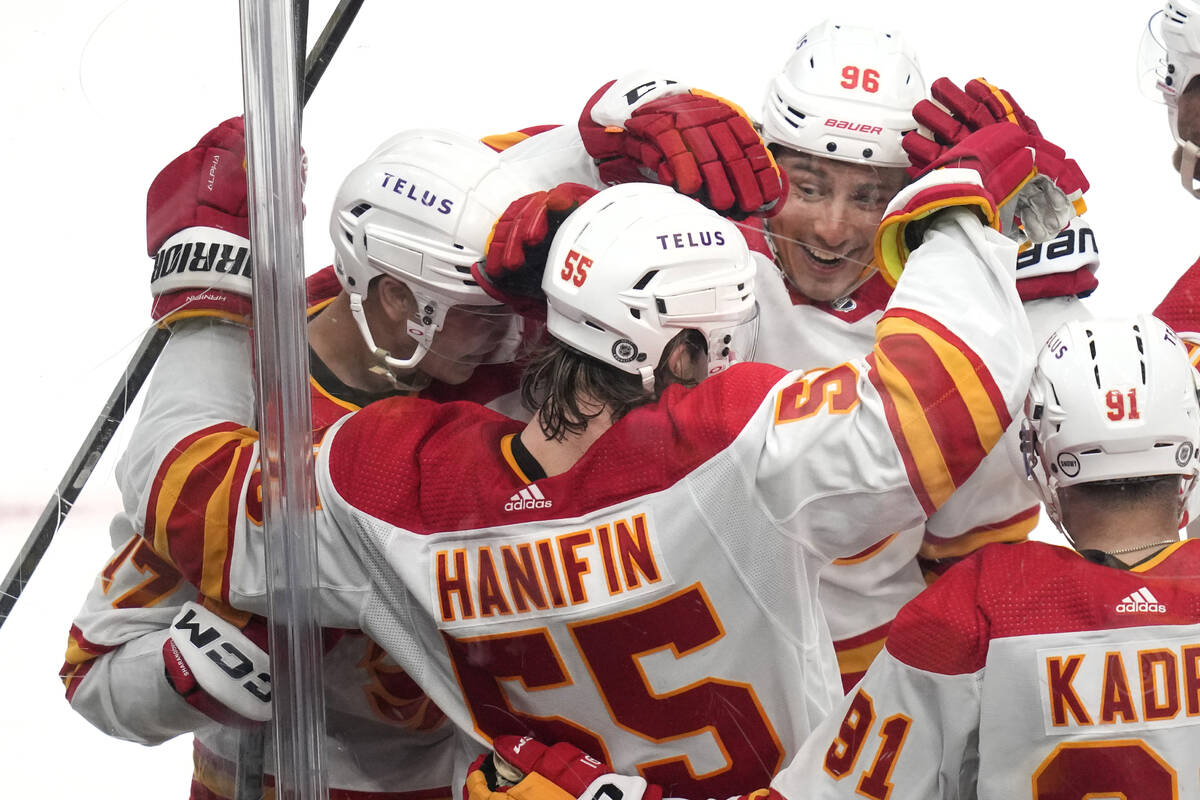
<point>426,199</point>
<point>698,239</point>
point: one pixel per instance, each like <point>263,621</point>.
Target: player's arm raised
<point>952,354</point>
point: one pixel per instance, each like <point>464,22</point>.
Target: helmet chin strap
<point>387,365</point>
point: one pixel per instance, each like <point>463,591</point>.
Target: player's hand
<point>198,228</point>
<point>700,144</point>
<point>521,768</point>
<point>219,668</point>
<point>969,110</point>
<point>994,162</point>
<point>961,112</point>
<point>519,245</point>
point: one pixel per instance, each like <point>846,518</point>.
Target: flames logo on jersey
<point>394,695</point>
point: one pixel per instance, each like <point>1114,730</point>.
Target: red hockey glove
<point>218,668</point>
<point>521,768</point>
<point>979,106</point>
<point>993,171</point>
<point>965,112</point>
<point>700,144</point>
<point>519,246</point>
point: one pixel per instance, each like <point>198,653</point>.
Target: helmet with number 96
<point>846,93</point>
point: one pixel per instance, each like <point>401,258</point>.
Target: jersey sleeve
<point>204,516</point>
<point>1180,308</point>
<point>204,373</point>
<point>860,450</point>
<point>552,157</point>
<point>113,670</point>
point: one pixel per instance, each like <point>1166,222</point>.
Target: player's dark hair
<point>567,389</point>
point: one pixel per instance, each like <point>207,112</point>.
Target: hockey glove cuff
<point>218,668</point>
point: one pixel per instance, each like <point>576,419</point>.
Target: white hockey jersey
<point>860,595</point>
<point>1025,671</point>
<point>655,604</point>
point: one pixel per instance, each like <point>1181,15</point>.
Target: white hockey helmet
<point>420,209</point>
<point>636,264</point>
<point>846,93</point>
<point>1168,60</point>
<point>1110,400</point>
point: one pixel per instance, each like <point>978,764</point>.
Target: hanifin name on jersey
<point>545,574</point>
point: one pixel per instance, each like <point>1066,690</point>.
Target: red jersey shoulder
<point>422,465</point>
<point>1179,307</point>
<point>656,445</point>
<point>430,468</point>
<point>321,286</point>
<point>1032,588</point>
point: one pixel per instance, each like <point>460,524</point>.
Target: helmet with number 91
<point>638,263</point>
<point>846,93</point>
<point>1110,400</point>
<point>420,210</point>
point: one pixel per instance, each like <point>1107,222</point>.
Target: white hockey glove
<point>218,668</point>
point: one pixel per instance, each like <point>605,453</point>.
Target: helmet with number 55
<point>637,264</point>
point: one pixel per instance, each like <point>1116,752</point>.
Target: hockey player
<point>835,117</point>
<point>401,314</point>
<point>1169,65</point>
<point>404,237</point>
<point>1028,669</point>
<point>601,573</point>
<point>1170,59</point>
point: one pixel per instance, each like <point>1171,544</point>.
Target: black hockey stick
<point>139,368</point>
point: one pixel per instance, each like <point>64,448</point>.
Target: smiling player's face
<point>825,233</point>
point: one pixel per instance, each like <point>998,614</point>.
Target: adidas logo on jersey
<point>529,497</point>
<point>1142,601</point>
